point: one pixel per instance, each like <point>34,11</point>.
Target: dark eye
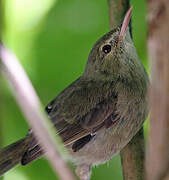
<point>106,49</point>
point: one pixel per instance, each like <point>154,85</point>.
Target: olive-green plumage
<point>99,113</point>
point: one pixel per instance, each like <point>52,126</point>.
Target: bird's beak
<point>125,23</point>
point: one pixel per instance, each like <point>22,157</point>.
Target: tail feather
<point>11,155</point>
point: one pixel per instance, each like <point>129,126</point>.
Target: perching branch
<point>132,156</point>
<point>117,11</point>
<point>33,112</point>
<point>157,162</point>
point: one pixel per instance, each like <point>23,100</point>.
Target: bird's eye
<point>106,48</point>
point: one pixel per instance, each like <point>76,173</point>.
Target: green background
<point>52,40</point>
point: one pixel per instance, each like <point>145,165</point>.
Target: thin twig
<point>31,107</point>
<point>157,160</point>
<point>132,155</point>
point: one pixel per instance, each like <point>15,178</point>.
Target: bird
<point>99,113</point>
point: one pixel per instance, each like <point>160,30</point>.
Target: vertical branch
<point>132,156</point>
<point>117,11</point>
<point>157,163</point>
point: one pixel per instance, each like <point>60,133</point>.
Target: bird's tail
<point>11,155</point>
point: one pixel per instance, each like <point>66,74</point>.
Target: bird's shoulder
<point>79,98</point>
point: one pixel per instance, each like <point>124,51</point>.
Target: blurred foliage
<point>52,39</point>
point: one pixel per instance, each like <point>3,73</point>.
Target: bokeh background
<point>52,39</point>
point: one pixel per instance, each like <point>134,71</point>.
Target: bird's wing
<point>81,109</point>
<point>78,112</point>
<point>90,123</point>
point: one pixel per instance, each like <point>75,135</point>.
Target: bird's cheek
<point>110,60</point>
<point>107,65</point>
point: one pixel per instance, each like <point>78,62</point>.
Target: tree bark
<point>132,156</point>
<point>117,11</point>
<point>157,162</point>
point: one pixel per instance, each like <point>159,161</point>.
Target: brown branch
<point>31,107</point>
<point>132,156</point>
<point>157,163</point>
<point>117,11</point>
